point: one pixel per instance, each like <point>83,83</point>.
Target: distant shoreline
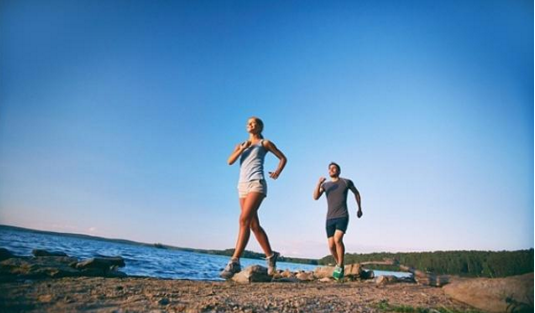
<point>463,263</point>
<point>227,252</point>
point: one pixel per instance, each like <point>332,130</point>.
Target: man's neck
<point>335,179</point>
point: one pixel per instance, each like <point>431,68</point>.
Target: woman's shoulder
<point>266,142</point>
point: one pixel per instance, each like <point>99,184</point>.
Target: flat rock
<point>104,263</point>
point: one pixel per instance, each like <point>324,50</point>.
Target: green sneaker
<point>338,272</point>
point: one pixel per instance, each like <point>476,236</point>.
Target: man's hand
<point>322,179</point>
<point>359,213</point>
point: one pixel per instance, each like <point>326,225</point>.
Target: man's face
<point>333,171</point>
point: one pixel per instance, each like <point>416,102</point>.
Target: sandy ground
<point>134,294</point>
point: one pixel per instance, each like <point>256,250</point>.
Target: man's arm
<point>318,191</point>
<point>357,198</point>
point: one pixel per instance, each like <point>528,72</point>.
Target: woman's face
<point>253,126</point>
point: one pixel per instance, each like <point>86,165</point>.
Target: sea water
<point>140,260</point>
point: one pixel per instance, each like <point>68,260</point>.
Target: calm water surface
<point>140,260</point>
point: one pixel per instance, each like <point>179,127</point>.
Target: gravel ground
<point>135,294</point>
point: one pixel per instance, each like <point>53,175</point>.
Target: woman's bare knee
<point>255,226</point>
<point>245,221</point>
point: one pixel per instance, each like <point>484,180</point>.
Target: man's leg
<point>339,247</point>
<point>332,247</point>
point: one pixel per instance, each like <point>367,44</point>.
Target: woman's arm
<point>238,151</point>
<point>270,146</point>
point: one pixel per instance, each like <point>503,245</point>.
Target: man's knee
<point>331,244</point>
<point>339,240</point>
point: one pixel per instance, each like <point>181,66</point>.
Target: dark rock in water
<point>98,272</point>
<point>367,274</point>
<point>105,263</point>
<point>27,267</point>
<point>40,252</point>
<point>55,267</point>
<point>5,254</point>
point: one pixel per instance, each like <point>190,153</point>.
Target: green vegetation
<point>462,263</point>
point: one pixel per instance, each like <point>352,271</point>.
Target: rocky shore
<point>97,294</point>
<point>52,282</point>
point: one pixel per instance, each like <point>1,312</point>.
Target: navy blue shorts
<point>336,224</point>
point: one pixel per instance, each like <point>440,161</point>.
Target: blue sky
<point>117,118</point>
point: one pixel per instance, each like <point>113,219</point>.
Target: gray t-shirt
<point>336,193</point>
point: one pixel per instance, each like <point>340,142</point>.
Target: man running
<point>337,214</point>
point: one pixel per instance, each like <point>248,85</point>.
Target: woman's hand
<point>274,175</point>
<point>246,144</point>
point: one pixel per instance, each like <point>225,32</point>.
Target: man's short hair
<point>338,166</point>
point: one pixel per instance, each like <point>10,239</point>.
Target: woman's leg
<point>261,235</point>
<point>249,206</point>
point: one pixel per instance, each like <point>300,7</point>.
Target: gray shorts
<point>259,186</point>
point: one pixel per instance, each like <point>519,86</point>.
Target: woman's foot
<point>272,263</point>
<point>232,268</point>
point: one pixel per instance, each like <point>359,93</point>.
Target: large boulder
<point>353,271</point>
<point>254,273</point>
<point>494,294</point>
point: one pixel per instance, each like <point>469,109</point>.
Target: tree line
<point>461,263</point>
